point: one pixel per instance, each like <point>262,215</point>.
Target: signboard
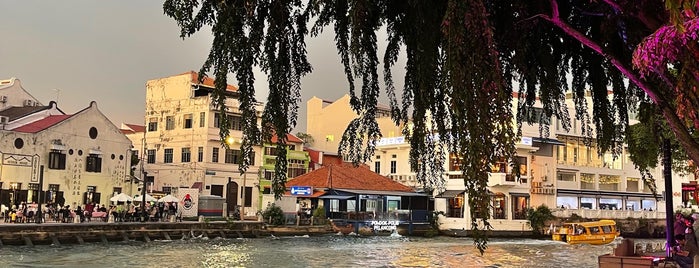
<point>527,141</point>
<point>384,225</point>
<point>301,190</point>
<point>189,201</point>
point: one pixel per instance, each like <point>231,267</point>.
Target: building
<point>180,144</point>
<point>326,121</point>
<point>80,158</point>
<point>297,159</point>
<point>558,171</point>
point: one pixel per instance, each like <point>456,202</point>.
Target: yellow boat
<point>593,232</point>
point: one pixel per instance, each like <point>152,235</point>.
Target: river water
<point>304,251</point>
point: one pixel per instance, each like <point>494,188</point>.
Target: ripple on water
<point>321,251</point>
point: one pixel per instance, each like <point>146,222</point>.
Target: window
<point>393,166</point>
<point>202,119</point>
<point>520,204</point>
<point>169,123</point>
<point>214,155</point>
<point>377,167</point>
<point>334,205</point>
<point>168,156</point>
<point>454,162</point>
<point>153,124</point>
<point>351,205</point>
<point>217,190</point>
<point>167,189</point>
<point>217,120</point>
<point>94,163</point>
<point>499,206</point>
<point>200,154</point>
<point>499,166</point>
<point>566,176</point>
<point>187,120</point>
<point>151,156</point>
<point>91,195</point>
<point>523,168</point>
<point>57,160</point>
<point>232,156</point>
<point>455,207</point>
<point>270,150</point>
<point>236,122</point>
<point>186,155</point>
<point>116,190</point>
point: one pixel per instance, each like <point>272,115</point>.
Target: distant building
<point>84,156</point>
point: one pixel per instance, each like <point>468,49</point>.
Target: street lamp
<point>229,140</point>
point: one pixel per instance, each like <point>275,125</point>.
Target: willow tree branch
<point>679,128</point>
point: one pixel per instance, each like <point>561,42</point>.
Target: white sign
<point>385,225</point>
<point>527,141</point>
<point>189,201</point>
<point>391,141</point>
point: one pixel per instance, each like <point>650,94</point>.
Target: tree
<point>538,217</point>
<point>463,58</point>
<point>306,138</point>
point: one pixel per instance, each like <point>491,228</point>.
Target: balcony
<point>501,179</point>
<point>608,214</point>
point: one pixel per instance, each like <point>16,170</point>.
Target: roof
<point>133,129</point>
<point>347,176</point>
<point>208,81</point>
<point>313,195</point>
<point>289,138</point>
<point>42,124</point>
<point>21,111</point>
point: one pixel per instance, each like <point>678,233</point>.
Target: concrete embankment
<point>66,233</point>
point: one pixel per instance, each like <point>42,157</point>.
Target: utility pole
<point>667,175</point>
<point>39,214</point>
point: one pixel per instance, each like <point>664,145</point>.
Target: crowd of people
<point>121,212</point>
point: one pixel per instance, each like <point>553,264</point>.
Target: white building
<point>181,144</point>
<point>83,156</point>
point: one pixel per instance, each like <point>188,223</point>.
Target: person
<point>684,251</point>
<point>679,226</point>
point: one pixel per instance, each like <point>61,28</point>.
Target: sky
<point>76,52</point>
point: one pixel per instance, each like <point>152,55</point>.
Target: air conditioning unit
<point>28,103</point>
<point>3,99</point>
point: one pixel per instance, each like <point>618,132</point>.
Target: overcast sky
<point>80,51</point>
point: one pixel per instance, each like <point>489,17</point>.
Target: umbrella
<point>168,199</point>
<point>149,198</point>
<point>121,197</point>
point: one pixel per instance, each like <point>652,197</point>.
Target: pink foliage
<point>667,44</point>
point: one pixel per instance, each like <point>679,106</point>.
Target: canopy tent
<point>139,198</point>
<point>168,199</point>
<point>121,197</point>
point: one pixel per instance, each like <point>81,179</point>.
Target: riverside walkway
<point>60,233</point>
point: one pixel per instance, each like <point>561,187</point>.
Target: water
<point>304,251</point>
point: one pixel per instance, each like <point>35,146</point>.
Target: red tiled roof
<point>42,124</point>
<point>136,128</point>
<point>289,138</point>
<point>133,129</point>
<point>347,176</point>
<point>208,81</point>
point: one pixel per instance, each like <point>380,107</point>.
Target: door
<point>231,196</point>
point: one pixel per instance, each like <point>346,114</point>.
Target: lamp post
<point>39,211</point>
<point>242,208</point>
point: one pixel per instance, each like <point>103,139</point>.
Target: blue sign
<point>301,190</point>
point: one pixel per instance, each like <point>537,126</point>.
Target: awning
<point>197,185</point>
<point>341,197</point>
<point>450,194</point>
<point>549,141</point>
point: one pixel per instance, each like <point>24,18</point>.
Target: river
<point>304,251</point>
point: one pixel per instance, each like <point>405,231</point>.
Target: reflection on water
<point>322,251</point>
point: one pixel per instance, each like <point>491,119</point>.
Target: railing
<point>608,214</point>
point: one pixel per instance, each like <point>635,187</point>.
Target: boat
<point>594,232</point>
